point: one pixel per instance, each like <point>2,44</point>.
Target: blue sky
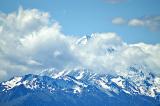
<point>131,27</point>
<point>81,17</point>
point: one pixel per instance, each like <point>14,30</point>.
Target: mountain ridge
<point>84,87</point>
<point>78,83</point>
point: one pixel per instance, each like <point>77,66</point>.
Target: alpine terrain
<point>83,87</point>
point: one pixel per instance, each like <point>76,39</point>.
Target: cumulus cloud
<point>31,41</point>
<point>152,22</point>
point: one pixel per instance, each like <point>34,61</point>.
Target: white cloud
<point>31,41</point>
<point>57,53</point>
<point>152,22</point>
<point>118,21</point>
<point>135,22</point>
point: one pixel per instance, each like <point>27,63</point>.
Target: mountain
<point>81,87</point>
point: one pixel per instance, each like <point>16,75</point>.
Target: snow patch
<point>57,75</point>
<point>77,89</point>
<point>12,83</point>
<point>118,81</point>
<point>103,85</point>
<point>80,75</point>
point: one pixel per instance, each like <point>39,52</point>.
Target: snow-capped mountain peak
<point>79,81</point>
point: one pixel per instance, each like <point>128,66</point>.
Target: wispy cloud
<point>152,22</point>
<point>118,21</point>
<point>136,22</point>
<point>31,41</point>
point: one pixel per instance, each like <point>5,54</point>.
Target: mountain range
<point>83,87</point>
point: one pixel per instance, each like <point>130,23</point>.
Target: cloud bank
<point>32,41</point>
